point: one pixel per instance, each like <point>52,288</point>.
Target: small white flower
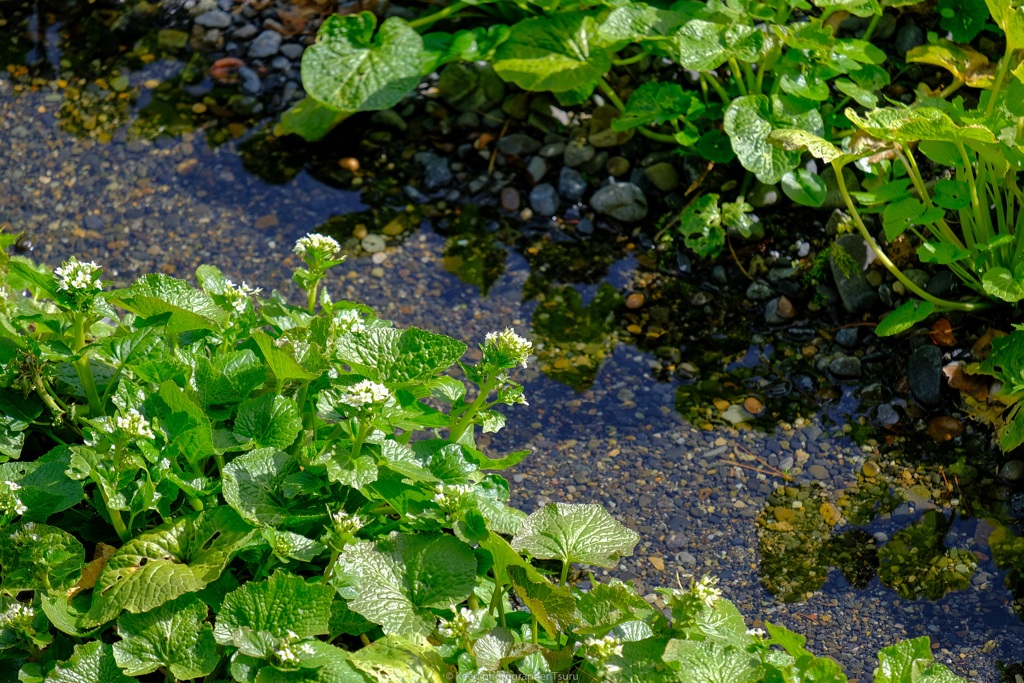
<point>365,393</point>
<point>348,321</point>
<point>464,621</point>
<point>135,425</point>
<point>238,295</point>
<point>316,247</point>
<point>756,632</point>
<point>347,523</point>
<point>78,276</point>
<point>506,348</point>
<point>26,534</point>
<point>706,590</point>
<point>449,496</point>
<point>10,502</point>
<point>17,617</point>
<point>600,650</point>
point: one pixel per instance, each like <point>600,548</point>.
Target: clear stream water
<point>622,400</point>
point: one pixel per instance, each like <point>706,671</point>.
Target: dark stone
<point>571,184</point>
<point>845,366</point>
<point>518,144</point>
<point>544,200</point>
<point>855,291</point>
<point>1012,471</point>
<point>924,373</point>
<point>847,337</point>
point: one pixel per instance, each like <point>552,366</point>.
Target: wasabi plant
<point>200,483</point>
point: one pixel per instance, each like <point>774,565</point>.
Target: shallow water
<point>602,426</point>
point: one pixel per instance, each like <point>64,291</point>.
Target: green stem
<point>610,93</point>
<point>718,88</point>
<point>448,11</point>
<point>980,216</point>
<point>311,297</point>
<point>909,163</point>
<point>466,420</point>
<point>82,366</point>
<point>737,75</point>
<point>1004,66</point>
<point>870,30</point>
<point>115,515</point>
<point>889,265</point>
<point>565,573</point>
<point>626,61</point>
<point>533,628</point>
<point>660,137</point>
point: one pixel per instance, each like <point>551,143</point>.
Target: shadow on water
<point>924,521</point>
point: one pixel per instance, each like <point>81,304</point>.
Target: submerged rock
<point>624,201</point>
<point>924,373</point>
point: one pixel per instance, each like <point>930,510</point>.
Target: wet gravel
<point>693,493</point>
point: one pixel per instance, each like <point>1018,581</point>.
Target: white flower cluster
<point>756,632</point>
<point>18,617</point>
<point>449,496</point>
<point>464,621</point>
<point>288,651</point>
<point>349,320</point>
<point>315,247</point>
<point>507,345</point>
<point>600,650</point>
<point>78,276</point>
<point>347,523</point>
<point>706,590</point>
<point>365,393</point>
<point>237,295</point>
<point>26,534</point>
<point>10,502</point>
<point>135,425</point>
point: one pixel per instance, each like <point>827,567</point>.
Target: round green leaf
<point>556,53</point>
<point>804,187</point>
<point>351,69</point>
<point>575,533</point>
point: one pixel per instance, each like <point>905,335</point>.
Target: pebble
<point>663,176</point>
<point>518,144</point>
<point>571,184</point>
<point>617,166</point>
<point>292,51</point>
<point>759,290</point>
<point>552,150</point>
<point>1012,471</point>
<point>847,337</point>
<point>266,44</point>
<point>924,374</point>
<point>251,83</point>
<point>537,168</point>
<point>436,171</point>
<point>908,37</point>
<point>544,200</point>
<point>373,243</point>
<point>214,19</point>
<point>845,366</point>
<point>635,300</point>
<point>819,472</point>
<point>510,200</point>
<point>856,293</point>
<point>624,201</point>
<point>578,152</point>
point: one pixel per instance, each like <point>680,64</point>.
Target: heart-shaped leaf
<point>174,635</point>
<point>558,53</point>
<point>575,533</point>
<point>804,187</point>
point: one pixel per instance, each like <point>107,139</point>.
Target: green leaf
<point>898,216</point>
<point>575,533</point>
<point>639,23</point>
<point>281,363</point>
<point>350,68</point>
<point>395,581</point>
<point>281,606</point>
<point>966,64</point>
<point>17,412</point>
<point>605,606</point>
<point>1000,283</point>
<point>495,464</point>
<point>310,119</point>
<point>910,124</point>
<point>951,194</point>
<point>657,103</point>
<point>861,95</point>
<point>156,294</point>
<point>175,558</point>
<point>860,8</point>
<point>38,557</point>
<point>749,120</point>
<point>910,661</point>
<point>1008,16</point>
<point>557,53</point>
<point>804,187</point>
<point>401,660</point>
<point>796,140</point>
<point>884,194</point>
<point>963,19</point>
<point>904,317</point>
<point>269,420</point>
<point>186,426</point>
<point>227,378</point>
<point>700,224</point>
<point>254,485</point>
<point>705,45</point>
<point>714,146</point>
<point>388,355</point>
<point>91,663</point>
<point>554,606</point>
<point>45,488</point>
<point>174,636</point>
<point>942,253</point>
<point>711,662</point>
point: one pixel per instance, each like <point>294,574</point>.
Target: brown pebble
<point>510,199</point>
<point>360,232</point>
<point>870,469</point>
<point>785,309</point>
<point>658,563</point>
<point>264,222</point>
<point>831,513</point>
<point>753,405</point>
<point>349,163</point>
<point>945,427</point>
<point>635,300</point>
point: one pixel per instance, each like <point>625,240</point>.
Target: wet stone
<point>578,152</point>
<point>847,337</point>
<point>663,176</point>
<point>544,200</point>
<point>436,171</point>
<point>373,243</point>
<point>552,150</point>
<point>845,366</point>
<point>266,44</point>
<point>292,51</point>
<point>1012,471</point>
<point>848,271</point>
<point>571,184</point>
<point>819,472</point>
<point>536,169</point>
<point>510,200</point>
<point>214,19</point>
<point>518,144</point>
<point>624,201</point>
<point>924,373</point>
